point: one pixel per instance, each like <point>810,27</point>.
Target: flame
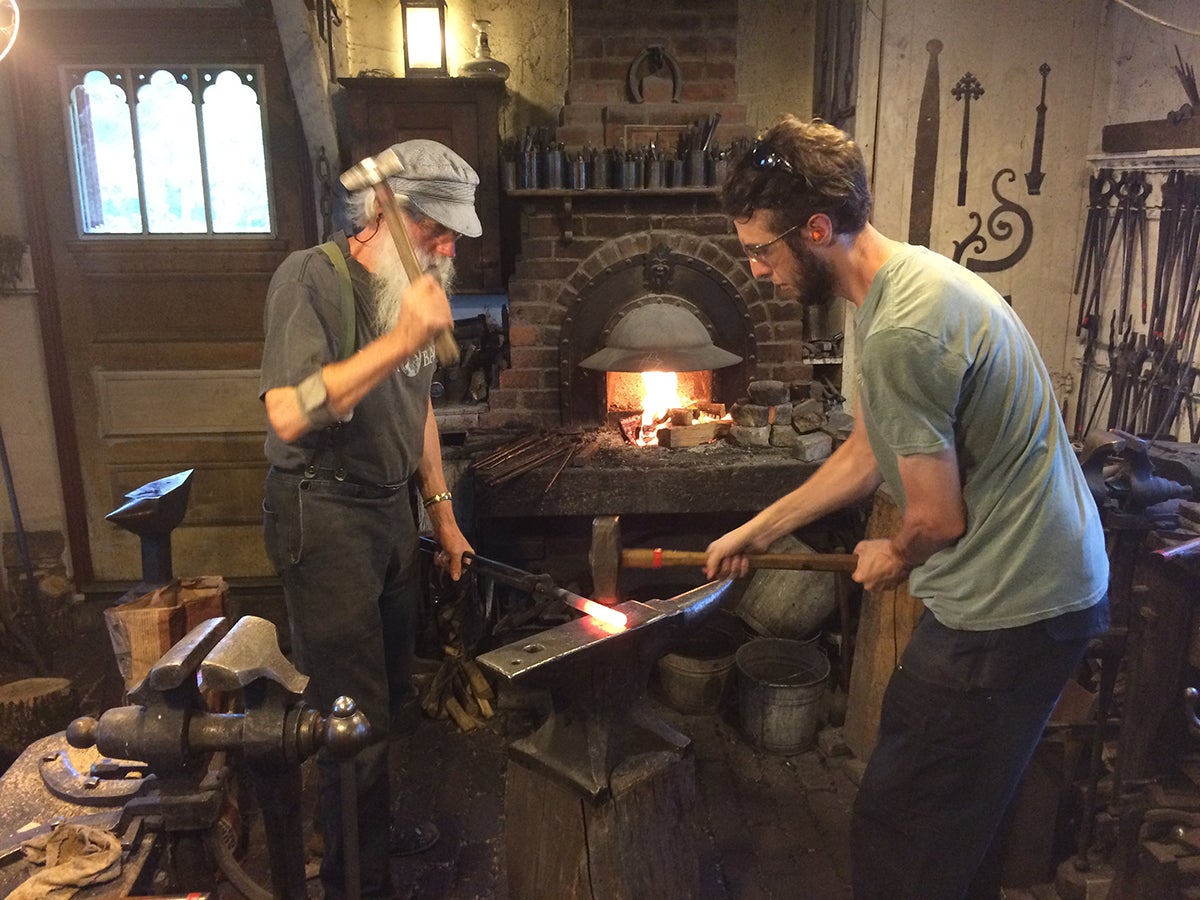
<point>660,393</point>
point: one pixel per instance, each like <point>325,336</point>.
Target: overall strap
<point>349,337</point>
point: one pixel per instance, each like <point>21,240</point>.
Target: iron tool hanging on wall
<point>967,89</point>
<point>1035,175</point>
<point>920,210</point>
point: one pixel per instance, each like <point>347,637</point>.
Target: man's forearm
<point>847,476</point>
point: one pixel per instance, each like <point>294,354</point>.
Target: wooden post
<point>885,624</point>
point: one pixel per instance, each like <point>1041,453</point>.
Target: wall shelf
<point>1148,160</point>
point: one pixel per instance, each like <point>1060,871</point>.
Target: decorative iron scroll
<point>999,229</point>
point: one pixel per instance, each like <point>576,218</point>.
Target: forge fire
<point>645,403</point>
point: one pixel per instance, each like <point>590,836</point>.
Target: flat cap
<point>439,184</point>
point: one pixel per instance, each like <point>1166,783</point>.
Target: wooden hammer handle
<point>819,562</point>
<point>443,342</point>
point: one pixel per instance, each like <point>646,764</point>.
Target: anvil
<point>595,675</point>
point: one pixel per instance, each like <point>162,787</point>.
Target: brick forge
<point>572,244</point>
<point>586,257</point>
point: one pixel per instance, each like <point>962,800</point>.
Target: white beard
<point>390,282</point>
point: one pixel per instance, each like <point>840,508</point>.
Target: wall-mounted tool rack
<point>1137,280</point>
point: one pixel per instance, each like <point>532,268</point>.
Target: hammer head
<point>371,171</point>
<point>604,556</point>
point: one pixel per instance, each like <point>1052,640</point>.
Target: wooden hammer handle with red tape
<point>657,558</point>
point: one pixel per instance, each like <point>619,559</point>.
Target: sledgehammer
<point>607,557</point>
<point>373,172</point>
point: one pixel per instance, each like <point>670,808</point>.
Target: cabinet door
<point>463,114</point>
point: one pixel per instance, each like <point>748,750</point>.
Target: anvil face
<point>582,635</point>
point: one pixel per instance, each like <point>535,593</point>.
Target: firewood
<point>433,702</point>
<point>481,687</point>
<point>459,715</point>
<point>677,436</point>
<point>462,693</point>
<point>485,707</point>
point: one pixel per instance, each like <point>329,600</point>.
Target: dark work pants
<point>961,718</point>
<point>347,555</point>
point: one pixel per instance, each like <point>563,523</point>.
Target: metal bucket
<point>697,676</point>
<point>781,684</point>
<point>786,603</point>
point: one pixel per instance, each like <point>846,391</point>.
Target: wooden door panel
<point>160,338</point>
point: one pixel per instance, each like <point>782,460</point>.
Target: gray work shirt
<point>384,440</point>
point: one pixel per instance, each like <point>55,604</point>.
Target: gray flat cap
<point>439,184</point>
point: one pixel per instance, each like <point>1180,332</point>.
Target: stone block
<point>768,393</point>
<point>749,436</point>
<point>813,447</point>
<point>785,436</point>
<point>750,415</point>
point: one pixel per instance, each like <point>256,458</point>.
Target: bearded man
<point>1000,537</point>
<point>351,440</point>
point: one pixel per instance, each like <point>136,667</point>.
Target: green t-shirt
<point>944,361</point>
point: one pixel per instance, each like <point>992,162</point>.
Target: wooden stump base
<point>33,708</point>
<point>638,841</point>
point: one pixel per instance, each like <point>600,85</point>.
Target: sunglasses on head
<point>764,159</point>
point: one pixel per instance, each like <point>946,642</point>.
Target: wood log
<point>33,708</point>
<point>677,436</point>
<point>639,841</point>
<point>886,622</point>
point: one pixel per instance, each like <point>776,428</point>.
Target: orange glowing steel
<point>605,614</point>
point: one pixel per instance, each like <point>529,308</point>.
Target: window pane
<point>233,154</point>
<point>170,147</point>
<point>105,166</point>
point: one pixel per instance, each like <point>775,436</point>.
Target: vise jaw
<point>171,725</point>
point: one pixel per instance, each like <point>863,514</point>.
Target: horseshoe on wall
<point>656,57</point>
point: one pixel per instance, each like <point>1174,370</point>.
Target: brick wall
<point>566,240</point>
<point>609,36</point>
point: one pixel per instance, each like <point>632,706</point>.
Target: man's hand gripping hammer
<point>373,172</point>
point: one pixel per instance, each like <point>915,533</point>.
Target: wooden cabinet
<point>463,114</point>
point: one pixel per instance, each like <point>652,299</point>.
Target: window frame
<point>71,75</point>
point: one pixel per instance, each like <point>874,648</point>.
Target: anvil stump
<point>639,841</point>
<point>599,803</point>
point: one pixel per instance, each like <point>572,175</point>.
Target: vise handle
<point>657,558</point>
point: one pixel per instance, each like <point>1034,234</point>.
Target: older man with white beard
<point>352,441</point>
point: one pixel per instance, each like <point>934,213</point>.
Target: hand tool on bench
<point>607,558</point>
<point>373,172</point>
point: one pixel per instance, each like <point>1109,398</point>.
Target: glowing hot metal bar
<point>605,614</point>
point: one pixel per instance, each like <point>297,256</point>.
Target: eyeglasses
<point>758,252</point>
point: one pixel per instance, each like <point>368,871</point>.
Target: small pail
<point>780,688</point>
<point>697,675</point>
